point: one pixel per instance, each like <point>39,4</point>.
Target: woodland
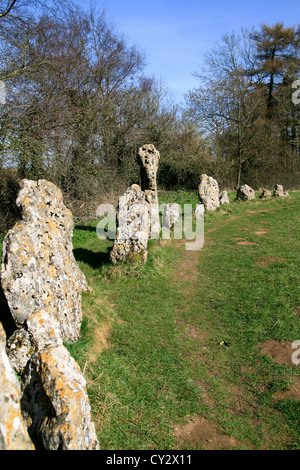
<point>78,105</point>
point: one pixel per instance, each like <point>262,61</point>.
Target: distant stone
<point>171,214</point>
<point>133,226</point>
<point>265,193</point>
<point>55,402</point>
<point>208,191</point>
<point>38,266</point>
<point>278,191</point>
<point>13,429</point>
<point>223,198</point>
<point>245,193</point>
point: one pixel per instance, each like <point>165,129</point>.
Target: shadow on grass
<point>109,234</point>
<point>87,228</point>
<point>93,259</point>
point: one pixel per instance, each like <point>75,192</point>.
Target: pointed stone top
<point>149,155</point>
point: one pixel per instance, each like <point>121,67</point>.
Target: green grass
<point>145,375</point>
<point>167,341</point>
<point>139,384</point>
<point>245,303</point>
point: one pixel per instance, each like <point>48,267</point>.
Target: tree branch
<point>7,10</point>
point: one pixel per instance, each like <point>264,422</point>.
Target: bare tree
<point>4,10</point>
<point>78,104</point>
<point>227,106</point>
<point>244,102</point>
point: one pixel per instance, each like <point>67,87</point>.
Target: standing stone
<point>13,430</point>
<point>55,402</point>
<point>171,214</point>
<point>54,397</point>
<point>223,198</point>
<point>265,193</point>
<point>43,284</point>
<point>133,226</point>
<point>208,191</point>
<point>149,160</point>
<point>245,193</point>
<point>38,266</point>
<point>278,191</point>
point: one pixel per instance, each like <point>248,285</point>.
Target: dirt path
<point>199,431</point>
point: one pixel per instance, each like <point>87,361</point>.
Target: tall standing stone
<point>38,266</point>
<point>208,191</point>
<point>133,226</point>
<point>42,284</point>
<point>149,160</point>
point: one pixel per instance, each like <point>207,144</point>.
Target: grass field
<point>193,349</point>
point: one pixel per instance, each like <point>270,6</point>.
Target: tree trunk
<point>238,177</point>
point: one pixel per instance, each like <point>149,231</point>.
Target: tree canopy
<point>79,105</point>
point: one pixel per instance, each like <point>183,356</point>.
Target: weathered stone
<point>43,284</point>
<point>20,347</point>
<point>149,160</point>
<point>13,431</point>
<point>278,191</point>
<point>38,266</point>
<point>44,329</point>
<point>55,402</point>
<point>208,191</point>
<point>265,193</point>
<point>40,331</point>
<point>133,226</point>
<point>245,193</point>
<point>171,214</point>
<point>223,198</point>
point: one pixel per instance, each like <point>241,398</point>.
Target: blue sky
<point>176,35</point>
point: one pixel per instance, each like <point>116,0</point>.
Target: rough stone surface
<point>223,198</point>
<point>278,191</point>
<point>208,191</point>
<point>20,347</point>
<point>149,160</point>
<point>13,430</point>
<point>171,214</point>
<point>245,193</point>
<point>38,266</point>
<point>40,330</point>
<point>265,193</point>
<point>55,402</point>
<point>42,284</point>
<point>133,226</point>
<point>44,329</point>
